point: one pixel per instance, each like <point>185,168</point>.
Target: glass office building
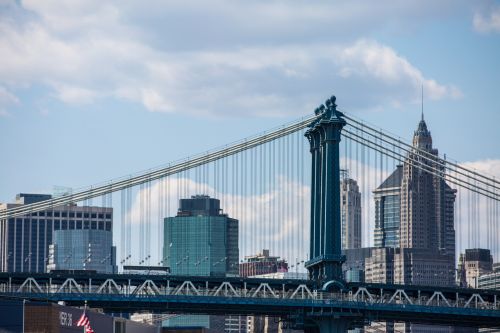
<point>201,240</point>
<point>25,240</point>
<point>87,249</point>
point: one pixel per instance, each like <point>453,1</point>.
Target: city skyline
<point>126,113</point>
<point>263,166</point>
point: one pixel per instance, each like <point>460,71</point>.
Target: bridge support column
<point>326,258</point>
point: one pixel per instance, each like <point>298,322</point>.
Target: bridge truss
<point>252,296</point>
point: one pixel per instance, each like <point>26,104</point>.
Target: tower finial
<point>422,102</point>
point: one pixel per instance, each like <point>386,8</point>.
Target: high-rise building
<point>350,212</point>
<point>427,214</point>
<point>25,240</point>
<point>414,214</point>
<point>388,210</point>
<point>262,263</point>
<point>201,240</point>
<point>472,264</point>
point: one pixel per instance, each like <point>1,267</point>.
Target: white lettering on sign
<point>66,319</point>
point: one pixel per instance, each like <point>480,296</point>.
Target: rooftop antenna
<point>422,102</point>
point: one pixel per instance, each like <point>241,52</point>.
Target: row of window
<point>73,214</point>
<point>62,224</point>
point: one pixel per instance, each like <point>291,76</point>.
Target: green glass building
<point>201,240</point>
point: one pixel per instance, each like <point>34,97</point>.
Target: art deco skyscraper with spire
<point>426,200</point>
<point>415,215</point>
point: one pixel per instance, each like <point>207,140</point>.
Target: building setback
<point>25,240</point>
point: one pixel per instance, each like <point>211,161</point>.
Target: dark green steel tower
<point>326,258</point>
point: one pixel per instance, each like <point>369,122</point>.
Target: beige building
<point>379,267</point>
<point>472,264</point>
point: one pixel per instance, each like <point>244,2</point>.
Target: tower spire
<point>422,102</point>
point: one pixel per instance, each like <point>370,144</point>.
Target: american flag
<point>84,321</point>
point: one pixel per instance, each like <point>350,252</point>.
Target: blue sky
<point>93,90</point>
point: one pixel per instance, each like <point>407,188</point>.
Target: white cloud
<point>488,21</point>
<point>86,51</point>
<point>263,223</point>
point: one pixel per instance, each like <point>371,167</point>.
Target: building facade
<point>490,280</point>
<point>414,212</point>
<point>388,210</point>
<point>472,264</point>
<point>25,240</point>
<point>350,213</point>
<point>354,266</point>
<point>262,263</point>
<point>414,228</point>
<point>379,267</point>
<point>427,202</point>
<point>201,240</point>
<point>85,249</point>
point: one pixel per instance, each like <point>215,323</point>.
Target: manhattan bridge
<point>284,188</point>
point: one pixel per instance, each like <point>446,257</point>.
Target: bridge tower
<point>325,264</point>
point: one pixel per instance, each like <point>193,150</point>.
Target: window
<point>78,224</point>
<point>79,215</point>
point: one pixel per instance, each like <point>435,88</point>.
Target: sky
<point>92,90</point>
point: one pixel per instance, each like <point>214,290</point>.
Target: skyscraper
<point>426,200</point>
<point>201,240</point>
<point>350,212</point>
<point>414,213</point>
<point>25,240</point>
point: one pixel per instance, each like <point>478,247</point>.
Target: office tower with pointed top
<point>414,213</point>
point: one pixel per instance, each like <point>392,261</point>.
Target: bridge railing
<point>30,287</point>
